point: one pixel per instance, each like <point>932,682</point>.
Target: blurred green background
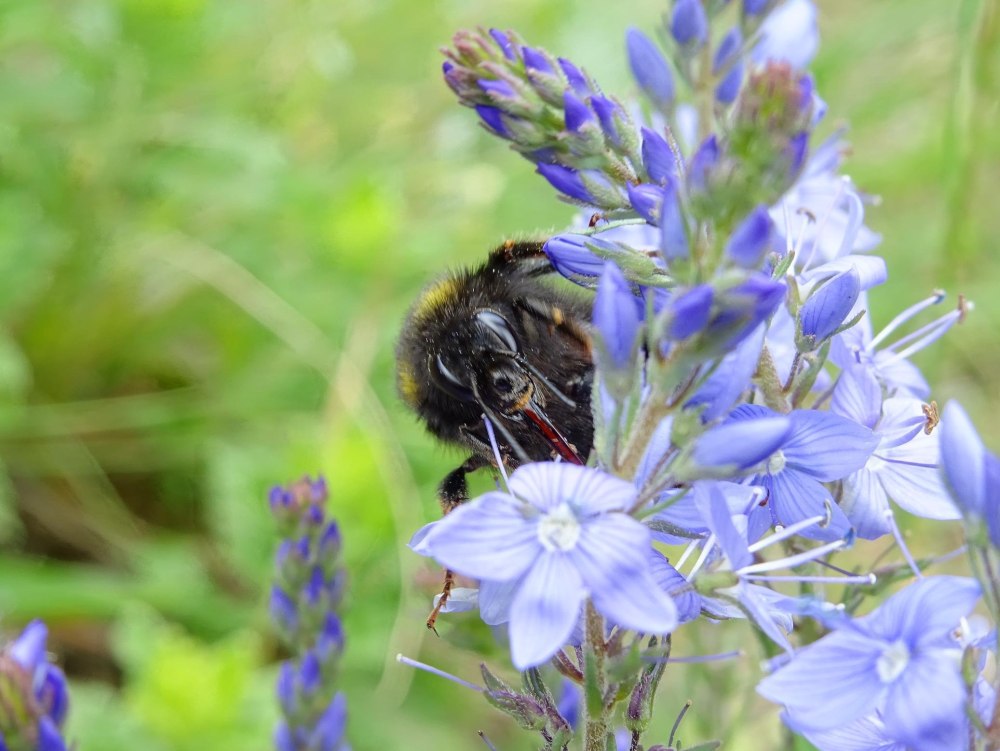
<point>213,216</point>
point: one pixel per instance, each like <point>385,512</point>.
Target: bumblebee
<point>497,341</point>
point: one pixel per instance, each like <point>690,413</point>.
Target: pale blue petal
<point>963,459</point>
<point>790,33</point>
<point>924,707</point>
<point>495,599</point>
<point>488,538</point>
<point>796,496</point>
<point>914,486</point>
<point>858,395</point>
<point>544,610</point>
<point>866,734</point>
<point>767,619</point>
<point>612,557</point>
<point>864,502</point>
<point>924,611</point>
<point>829,683</point>
<point>418,543</point>
<point>902,420</point>
<point>671,581</point>
<point>731,378</point>
<point>741,444</point>
<point>827,446</point>
<point>717,515</point>
<point>637,603</point>
<point>549,484</point>
<point>871,269</point>
<point>460,600</point>
<point>902,374</point>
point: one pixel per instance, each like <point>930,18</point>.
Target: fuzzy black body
<point>499,340</point>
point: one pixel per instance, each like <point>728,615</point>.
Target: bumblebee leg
<point>453,492</point>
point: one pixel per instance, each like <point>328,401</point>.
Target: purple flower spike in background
<point>33,697</point>
<point>562,534</point>
<point>307,590</point>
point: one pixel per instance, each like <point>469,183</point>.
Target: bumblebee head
<point>494,374</point>
<point>489,370</point>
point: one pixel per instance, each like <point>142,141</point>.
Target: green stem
<point>705,92</point>
<point>598,725</point>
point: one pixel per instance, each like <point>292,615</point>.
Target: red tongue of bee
<point>553,436</point>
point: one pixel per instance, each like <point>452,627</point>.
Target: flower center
<point>893,661</point>
<point>776,463</point>
<point>559,529</point>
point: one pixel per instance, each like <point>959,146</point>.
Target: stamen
<point>785,532</point>
<point>902,545</point>
<point>487,741</point>
<point>435,671</point>
<point>793,560</point>
<point>677,722</point>
<point>925,335</point>
<point>709,544</point>
<point>838,569</point>
<point>868,579</point>
<point>692,546</point>
<point>935,299</point>
<point>496,451</point>
<point>696,659</point>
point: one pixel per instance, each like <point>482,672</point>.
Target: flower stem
<point>597,727</point>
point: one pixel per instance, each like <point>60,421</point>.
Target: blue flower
<point>904,466</point>
<point>562,533</point>
<point>899,659</point>
<point>822,447</point>
<point>972,472</point>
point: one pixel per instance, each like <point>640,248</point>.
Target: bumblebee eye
<point>497,324</point>
<point>452,384</point>
<point>502,384</point>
